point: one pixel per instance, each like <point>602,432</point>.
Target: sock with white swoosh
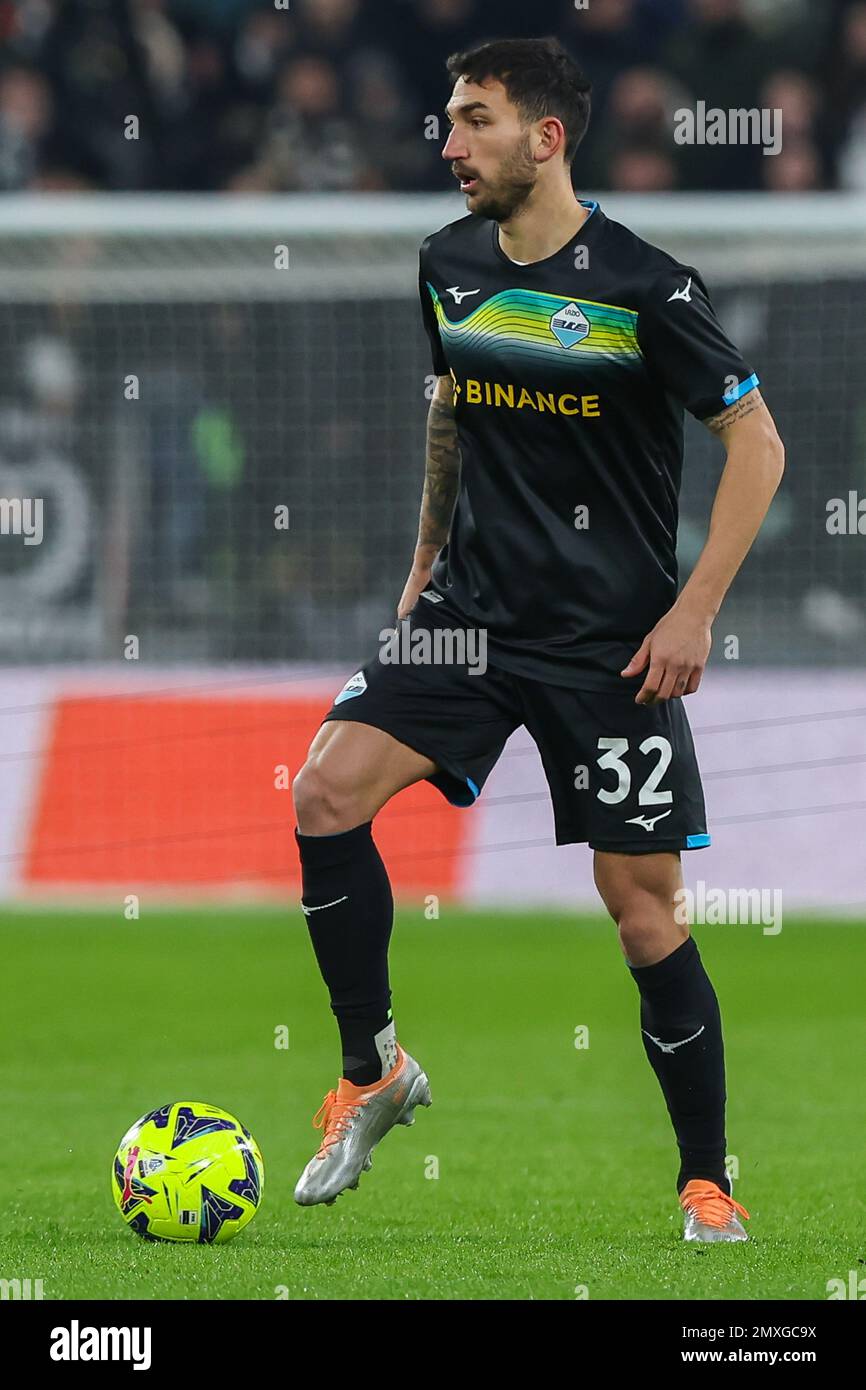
<point>349,910</point>
<point>681,1028</point>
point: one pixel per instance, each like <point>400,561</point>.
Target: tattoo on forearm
<point>442,477</point>
<point>734,412</point>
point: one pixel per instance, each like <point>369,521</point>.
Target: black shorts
<point>622,777</point>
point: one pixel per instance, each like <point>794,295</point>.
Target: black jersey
<point>570,379</point>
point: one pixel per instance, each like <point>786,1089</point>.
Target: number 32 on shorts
<point>612,760</point>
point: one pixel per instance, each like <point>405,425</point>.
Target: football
<point>187,1172</point>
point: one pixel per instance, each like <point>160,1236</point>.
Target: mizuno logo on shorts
<point>648,822</point>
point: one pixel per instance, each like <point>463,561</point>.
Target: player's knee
<point>629,907</point>
<point>325,804</point>
<point>638,891</point>
<point>648,926</point>
<point>637,925</point>
<point>637,913</point>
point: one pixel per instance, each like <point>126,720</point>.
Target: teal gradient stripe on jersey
<point>519,321</point>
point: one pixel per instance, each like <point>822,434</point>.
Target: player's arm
<point>679,645</point>
<point>441,482</point>
<point>753,470</point>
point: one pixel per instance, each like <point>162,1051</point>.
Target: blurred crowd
<point>310,95</point>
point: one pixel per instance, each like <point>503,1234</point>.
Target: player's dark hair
<point>540,77</point>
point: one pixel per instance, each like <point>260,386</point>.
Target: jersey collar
<point>591,227</point>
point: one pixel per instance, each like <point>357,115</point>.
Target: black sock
<point>344,877</point>
<point>678,1001</point>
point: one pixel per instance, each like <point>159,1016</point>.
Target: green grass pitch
<point>556,1166</point>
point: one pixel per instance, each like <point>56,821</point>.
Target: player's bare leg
<point>352,770</point>
<point>681,1030</point>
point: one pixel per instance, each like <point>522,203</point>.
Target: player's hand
<point>676,653</point>
<point>419,578</point>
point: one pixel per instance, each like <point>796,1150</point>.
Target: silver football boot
<point>354,1119</point>
<point>711,1215</point>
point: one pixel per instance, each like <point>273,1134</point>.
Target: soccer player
<point>566,349</point>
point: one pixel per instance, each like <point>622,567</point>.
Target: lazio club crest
<point>570,325</point>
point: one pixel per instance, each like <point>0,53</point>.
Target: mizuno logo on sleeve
<point>685,294</point>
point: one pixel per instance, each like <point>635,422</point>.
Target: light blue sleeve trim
<point>742,388</point>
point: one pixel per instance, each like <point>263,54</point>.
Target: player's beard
<point>517,177</point>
